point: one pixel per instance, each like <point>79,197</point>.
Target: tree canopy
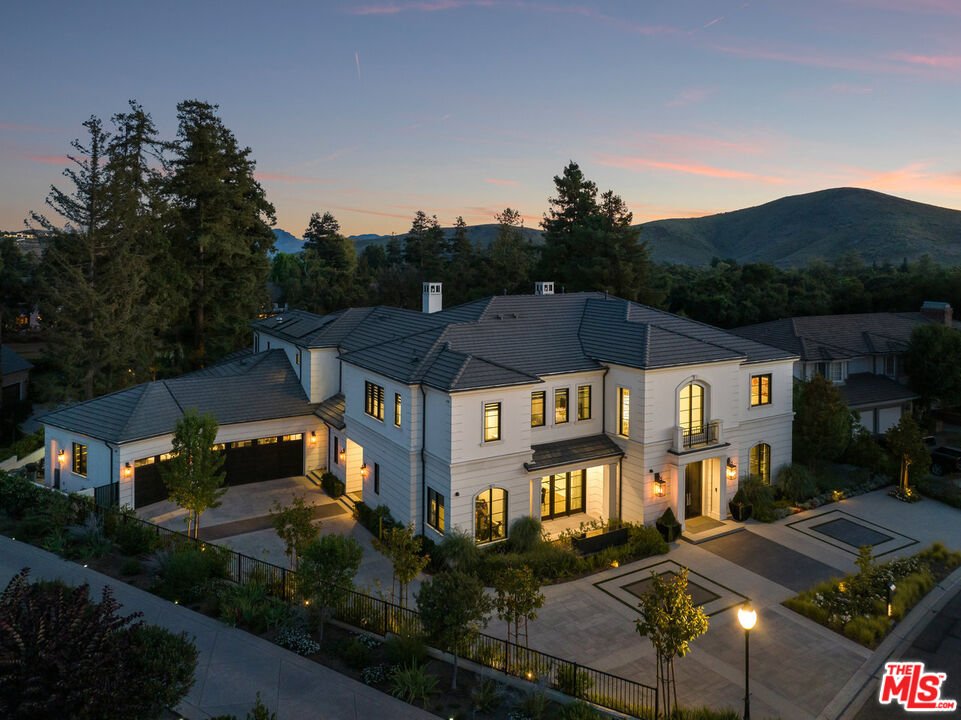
<point>194,475</point>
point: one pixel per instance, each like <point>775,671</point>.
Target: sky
<point>376,109</point>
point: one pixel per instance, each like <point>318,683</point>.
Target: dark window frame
<point>377,478</point>
<point>564,393</point>
<point>759,395</point>
<point>623,423</point>
<point>494,523</point>
<point>542,396</point>
<point>374,400</point>
<point>581,405</point>
<point>78,460</point>
<point>435,510</point>
<point>487,414</point>
<point>398,409</point>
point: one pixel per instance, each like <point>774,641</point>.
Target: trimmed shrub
<point>868,631</point>
<point>185,573</point>
<point>354,653</point>
<point>250,606</point>
<point>163,664</point>
<point>526,533</point>
<point>458,551</point>
<point>134,538</point>
<point>406,649</point>
<point>759,496</point>
<point>374,518</point>
<point>332,484</point>
<point>796,482</point>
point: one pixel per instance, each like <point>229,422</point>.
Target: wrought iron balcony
<point>698,436</point>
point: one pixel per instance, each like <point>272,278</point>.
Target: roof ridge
<point>399,338</point>
<point>172,396</point>
<point>99,397</point>
<point>136,407</point>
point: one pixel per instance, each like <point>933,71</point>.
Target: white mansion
<point>470,417</point>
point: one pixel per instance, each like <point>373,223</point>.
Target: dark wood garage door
<point>245,462</point>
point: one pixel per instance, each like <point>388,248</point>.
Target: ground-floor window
<point>435,510</point>
<point>490,515</point>
<point>562,494</point>
<point>79,459</point>
<point>761,462</point>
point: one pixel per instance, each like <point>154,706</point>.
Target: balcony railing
<point>698,436</point>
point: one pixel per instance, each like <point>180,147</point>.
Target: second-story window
<point>492,421</point>
<point>537,408</point>
<point>691,409</point>
<point>560,406</point>
<point>374,400</point>
<point>584,402</point>
<point>623,411</point>
<point>760,390</point>
<point>397,408</point>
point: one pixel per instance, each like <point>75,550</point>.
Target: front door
<point>562,494</point>
<point>692,490</point>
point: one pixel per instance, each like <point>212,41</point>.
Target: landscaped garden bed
<point>857,605</point>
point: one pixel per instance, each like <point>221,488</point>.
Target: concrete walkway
<point>233,665</point>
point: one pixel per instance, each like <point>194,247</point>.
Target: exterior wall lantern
<point>127,471</point>
<point>62,456</point>
<point>364,470</point>
<point>313,437</point>
<point>659,484</point>
<point>342,456</point>
<point>731,470</point>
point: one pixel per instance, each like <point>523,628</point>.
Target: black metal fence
<point>107,496</point>
<point>375,615</point>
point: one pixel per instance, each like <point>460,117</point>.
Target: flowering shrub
<point>376,674</point>
<point>298,640</point>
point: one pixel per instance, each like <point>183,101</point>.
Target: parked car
<point>945,460</point>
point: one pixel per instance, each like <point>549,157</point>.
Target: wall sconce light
<point>313,436</point>
<point>62,456</point>
<point>127,470</point>
<point>342,456</point>
<point>659,484</point>
<point>364,470</point>
<point>731,469</point>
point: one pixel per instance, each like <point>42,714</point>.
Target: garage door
<point>245,462</point>
<point>888,417</point>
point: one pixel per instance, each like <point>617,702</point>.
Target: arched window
<point>761,462</point>
<point>691,409</point>
<point>490,515</point>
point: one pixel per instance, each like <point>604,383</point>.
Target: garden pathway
<point>233,665</point>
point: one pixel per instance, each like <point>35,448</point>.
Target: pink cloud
<point>50,159</point>
<point>370,212</point>
<point>661,212</point>
<point>688,143</point>
<point>908,179</point>
<point>281,177</point>
<point>497,181</point>
<point>638,163</point>
<point>713,22</point>
<point>935,61</point>
<point>813,58</point>
<point>689,97</point>
<point>395,8</point>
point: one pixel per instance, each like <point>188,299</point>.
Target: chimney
<point>543,288</point>
<point>940,312</point>
<point>433,298</point>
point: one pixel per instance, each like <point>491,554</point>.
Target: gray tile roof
<point>248,389</point>
<point>576,450</point>
<point>838,337</point>
<point>863,389</point>
<point>12,362</point>
<point>515,339</point>
<point>331,411</point>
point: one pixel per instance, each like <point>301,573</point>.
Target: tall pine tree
<point>220,234</point>
<point>330,263</point>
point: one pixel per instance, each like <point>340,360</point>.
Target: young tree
<point>220,234</point>
<point>517,599</point>
<point>671,620</point>
<point>822,422</point>
<point>327,569</point>
<point>933,364</point>
<point>907,449</point>
<point>402,547</point>
<point>193,475</point>
<point>453,609</point>
<point>63,655</point>
<point>294,525</point>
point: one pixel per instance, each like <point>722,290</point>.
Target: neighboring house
<point>471,417</point>
<point>862,353</point>
<point>14,376</point>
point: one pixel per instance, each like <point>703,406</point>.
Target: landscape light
<point>747,616</point>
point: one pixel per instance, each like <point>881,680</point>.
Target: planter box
<point>670,533</point>
<point>740,512</point>
<point>590,544</point>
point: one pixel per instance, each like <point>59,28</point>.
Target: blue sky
<point>376,109</point>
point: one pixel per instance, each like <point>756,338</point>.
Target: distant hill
<point>287,243</point>
<point>794,230</point>
<point>479,235</point>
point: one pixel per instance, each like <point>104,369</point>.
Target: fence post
<point>239,576</point>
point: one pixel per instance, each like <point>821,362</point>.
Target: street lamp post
<point>747,616</point>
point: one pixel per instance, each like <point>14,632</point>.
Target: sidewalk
<point>232,665</point>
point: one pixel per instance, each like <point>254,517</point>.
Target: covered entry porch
<point>702,487</point>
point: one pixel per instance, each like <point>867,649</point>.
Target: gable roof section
<point>12,362</point>
<point>332,410</point>
<point>838,337</point>
<point>863,389</point>
<point>256,387</point>
<point>575,450</point>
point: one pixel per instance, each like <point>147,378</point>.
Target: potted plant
<point>668,526</point>
<point>739,506</point>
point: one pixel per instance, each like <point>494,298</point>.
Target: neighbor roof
<point>514,339</point>
<point>12,362</point>
<point>838,337</point>
<point>863,389</point>
<point>251,388</point>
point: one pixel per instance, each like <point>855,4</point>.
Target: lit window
<point>397,408</point>
<point>374,400</point>
<point>490,515</point>
<point>760,390</point>
<point>291,438</point>
<point>492,421</point>
<point>623,411</point>
<point>761,462</point>
<point>80,459</point>
<point>560,406</point>
<point>691,417</point>
<point>297,357</point>
<point>435,510</point>
<point>238,444</point>
<point>584,402</point>
<point>537,408</point>
<point>266,441</point>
